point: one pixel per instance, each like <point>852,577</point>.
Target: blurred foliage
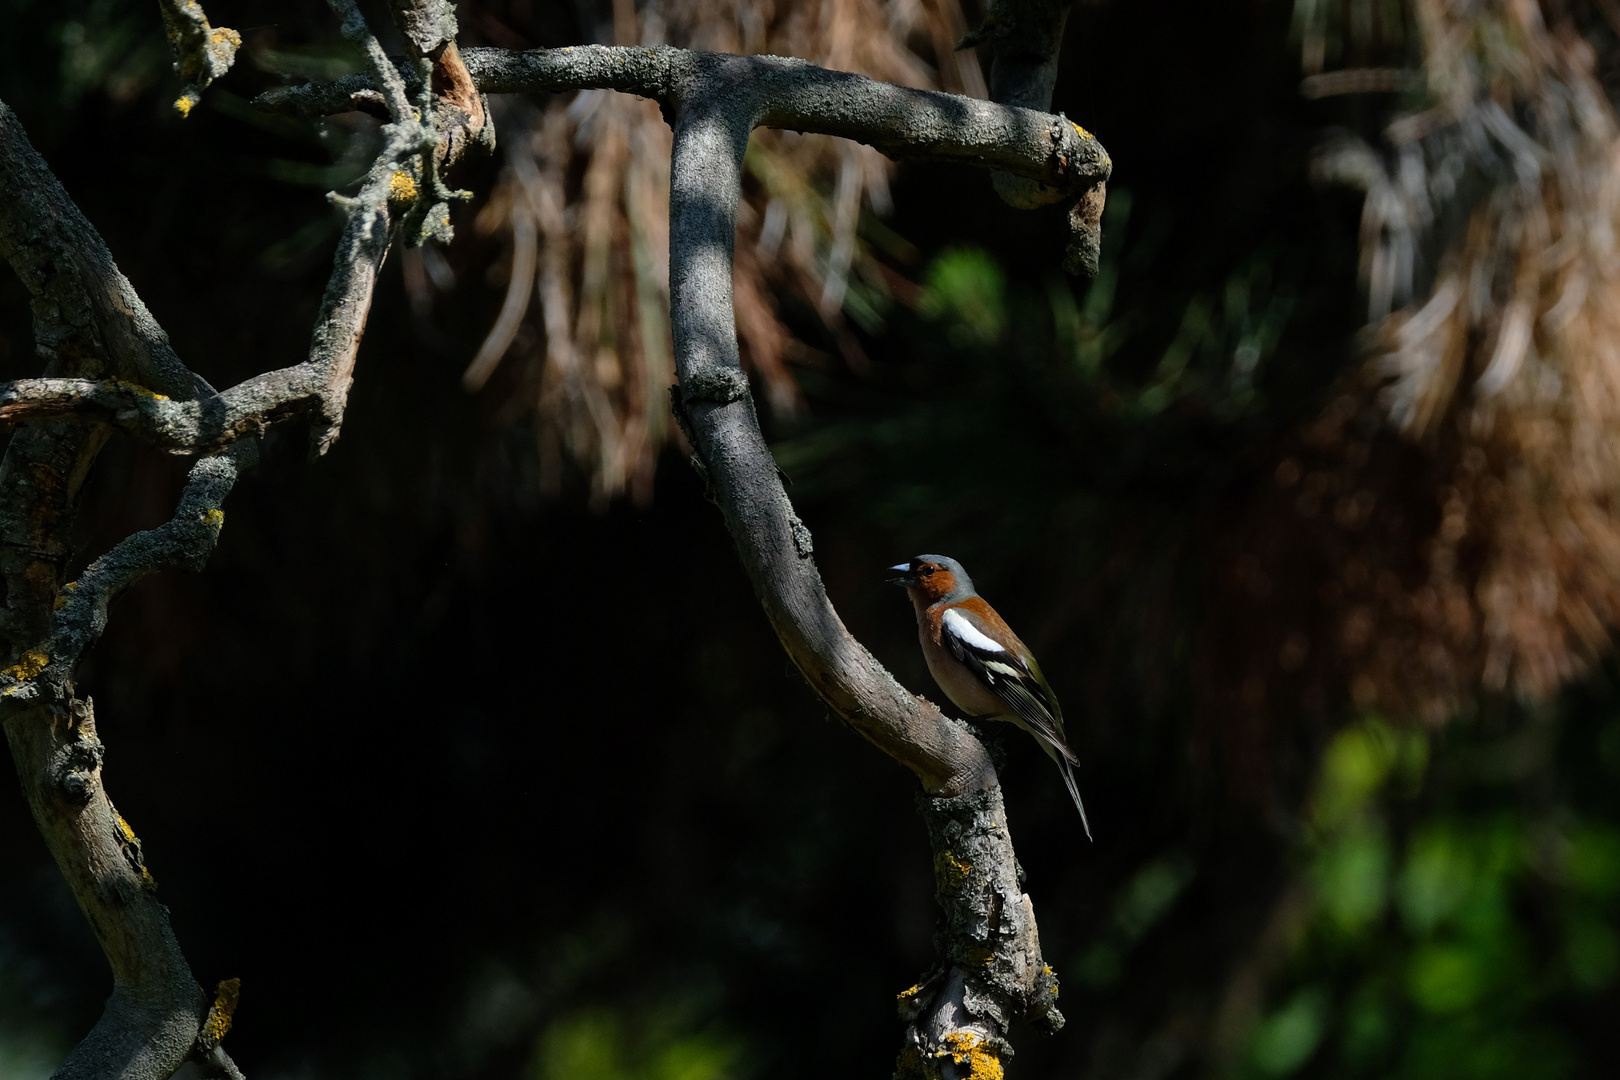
<point>31,1044</point>
<point>1464,911</point>
<point>606,1044</point>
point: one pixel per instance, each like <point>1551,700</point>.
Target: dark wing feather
<point>1020,686</point>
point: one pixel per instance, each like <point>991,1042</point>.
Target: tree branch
<point>796,94</point>
<point>960,1018</point>
<point>153,1019</point>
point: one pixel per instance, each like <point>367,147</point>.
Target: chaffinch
<point>979,662</point>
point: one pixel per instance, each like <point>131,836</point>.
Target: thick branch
<point>151,1020</point>
<point>773,543</point>
<point>960,1022</point>
<point>788,93</point>
<point>991,971</point>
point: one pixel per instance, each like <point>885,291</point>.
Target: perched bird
<point>979,662</point>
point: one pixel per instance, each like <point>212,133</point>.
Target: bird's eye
<point>925,570</point>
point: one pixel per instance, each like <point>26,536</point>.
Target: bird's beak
<point>905,580</point>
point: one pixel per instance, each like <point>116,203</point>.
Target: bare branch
<point>183,543</point>
<point>788,93</point>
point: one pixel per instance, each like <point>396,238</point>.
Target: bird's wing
<point>1015,679</point>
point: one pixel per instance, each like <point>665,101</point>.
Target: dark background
<point>466,782</point>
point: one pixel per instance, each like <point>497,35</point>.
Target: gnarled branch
<point>109,364</point>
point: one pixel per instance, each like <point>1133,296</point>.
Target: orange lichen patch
<point>1080,131</point>
<point>910,992</point>
<point>950,872</point>
<point>28,666</point>
<point>401,187</point>
<point>964,1047</point>
<point>226,996</point>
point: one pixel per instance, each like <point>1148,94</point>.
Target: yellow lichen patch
<point>183,104</point>
<point>219,1016</point>
<point>1080,131</point>
<point>28,666</point>
<point>950,872</point>
<point>401,187</point>
<point>912,992</point>
<point>980,1057</point>
<point>136,388</point>
<point>124,829</point>
<point>214,517</point>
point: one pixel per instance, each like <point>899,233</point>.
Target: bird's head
<point>933,578</point>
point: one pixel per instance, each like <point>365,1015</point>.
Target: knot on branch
<point>76,761</point>
<point>991,971</point>
<point>716,385</point>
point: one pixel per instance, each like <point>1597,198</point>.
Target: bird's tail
<point>1066,761</point>
<point>1074,793</point>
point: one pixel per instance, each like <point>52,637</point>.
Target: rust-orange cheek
<point>936,586</point>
